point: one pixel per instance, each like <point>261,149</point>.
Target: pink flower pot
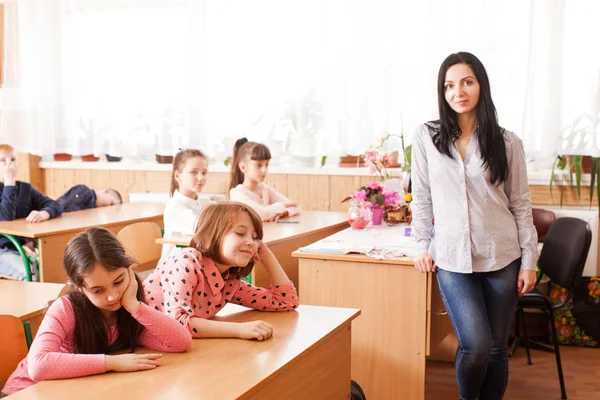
<point>377,216</point>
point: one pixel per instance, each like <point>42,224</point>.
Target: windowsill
<point>538,177</point>
<point>154,166</point>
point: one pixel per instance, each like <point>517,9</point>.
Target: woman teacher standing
<point>469,177</point>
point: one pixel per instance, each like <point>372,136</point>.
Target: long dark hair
<point>490,135</point>
<point>214,222</point>
<point>179,163</point>
<point>243,150</point>
<point>86,250</point>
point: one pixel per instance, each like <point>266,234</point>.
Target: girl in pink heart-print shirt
<point>192,285</point>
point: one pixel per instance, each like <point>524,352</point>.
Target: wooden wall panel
<point>101,179</point>
<point>58,181</point>
<point>158,181</point>
<point>298,189</point>
<point>28,168</point>
<point>541,195</point>
<point>137,182</point>
<point>120,182</point>
<point>313,192</point>
<point>279,182</point>
<point>218,182</point>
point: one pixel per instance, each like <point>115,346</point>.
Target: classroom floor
<point>581,368</point>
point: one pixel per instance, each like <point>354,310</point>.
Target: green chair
<point>27,329</point>
<point>26,260</point>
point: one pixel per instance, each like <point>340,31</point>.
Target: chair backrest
<point>542,219</point>
<point>565,251</point>
<point>139,240</point>
<point>13,345</point>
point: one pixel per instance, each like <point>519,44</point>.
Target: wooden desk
<point>284,238</point>
<point>403,317</point>
<point>27,300</point>
<point>307,358</point>
<point>54,234</point>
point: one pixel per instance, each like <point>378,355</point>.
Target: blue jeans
<point>481,307</point>
<point>11,264</point>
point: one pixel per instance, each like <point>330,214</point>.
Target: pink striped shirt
<point>267,205</point>
<point>188,285</point>
<point>51,354</point>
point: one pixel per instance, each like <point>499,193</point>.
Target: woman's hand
<point>129,299</point>
<point>424,262</point>
<point>262,252</point>
<point>290,203</point>
<point>132,362</point>
<point>259,330</point>
<point>526,282</point>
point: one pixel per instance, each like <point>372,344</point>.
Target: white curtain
<point>309,78</point>
<point>89,76</point>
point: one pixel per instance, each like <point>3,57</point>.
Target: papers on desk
<point>333,247</point>
<point>379,243</point>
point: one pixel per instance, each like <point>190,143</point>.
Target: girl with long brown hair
<point>249,169</point>
<point>102,313</point>
<point>194,284</point>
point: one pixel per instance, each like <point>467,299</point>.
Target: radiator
<point>591,217</point>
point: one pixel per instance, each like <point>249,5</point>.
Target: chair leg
<point>521,316</point>
<point>515,343</point>
<point>563,392</point>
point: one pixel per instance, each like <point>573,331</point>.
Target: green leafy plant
<point>574,164</point>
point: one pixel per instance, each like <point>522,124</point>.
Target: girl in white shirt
<point>248,172</point>
<point>182,209</point>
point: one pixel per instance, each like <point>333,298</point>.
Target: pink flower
<point>566,331</point>
<point>390,197</point>
<point>361,195</point>
<point>371,156</point>
<point>375,186</point>
<point>383,158</point>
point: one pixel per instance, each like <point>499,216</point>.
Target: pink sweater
<point>269,204</point>
<point>187,285</point>
<point>51,353</point>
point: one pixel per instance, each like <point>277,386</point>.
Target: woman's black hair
<point>489,134</point>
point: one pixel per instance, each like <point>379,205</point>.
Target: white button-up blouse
<point>479,227</point>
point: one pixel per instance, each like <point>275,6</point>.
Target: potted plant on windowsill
<point>350,161</point>
<point>576,167</point>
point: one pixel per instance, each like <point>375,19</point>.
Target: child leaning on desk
<point>19,200</point>
<point>194,284</point>
<point>249,169</point>
<point>81,197</point>
<point>104,312</point>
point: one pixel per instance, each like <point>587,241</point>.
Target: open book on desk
<point>405,248</point>
<point>336,247</point>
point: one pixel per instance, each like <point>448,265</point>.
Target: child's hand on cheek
<point>129,299</point>
<point>262,251</point>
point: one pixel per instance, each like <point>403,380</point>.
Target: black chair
<point>562,260</point>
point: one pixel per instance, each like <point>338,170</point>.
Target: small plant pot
<point>352,161</point>
<point>62,157</point>
<point>110,158</point>
<point>164,159</point>
<point>89,158</point>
